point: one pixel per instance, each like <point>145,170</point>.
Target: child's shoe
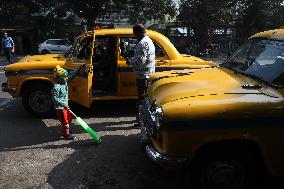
<point>69,137</point>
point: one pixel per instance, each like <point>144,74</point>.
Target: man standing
<point>8,46</point>
<point>144,59</point>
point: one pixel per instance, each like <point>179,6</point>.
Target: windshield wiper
<point>251,86</point>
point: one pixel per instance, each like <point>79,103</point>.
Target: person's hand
<point>83,66</point>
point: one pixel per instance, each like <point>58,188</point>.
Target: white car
<point>54,46</point>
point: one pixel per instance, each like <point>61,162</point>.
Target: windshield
<point>260,58</point>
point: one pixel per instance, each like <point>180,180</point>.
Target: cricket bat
<point>86,127</point>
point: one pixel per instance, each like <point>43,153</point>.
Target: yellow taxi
<point>223,124</point>
<point>108,76</point>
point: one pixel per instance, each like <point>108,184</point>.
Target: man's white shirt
<point>144,58</point>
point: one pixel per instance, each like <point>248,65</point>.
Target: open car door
<point>80,89</point>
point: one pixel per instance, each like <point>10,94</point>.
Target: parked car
<point>54,46</point>
<point>108,77</point>
<point>223,124</point>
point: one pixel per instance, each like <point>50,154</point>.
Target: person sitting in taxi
<point>60,98</point>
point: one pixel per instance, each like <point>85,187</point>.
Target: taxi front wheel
<point>37,100</point>
<point>225,171</point>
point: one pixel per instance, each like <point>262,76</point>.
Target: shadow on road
<point>18,128</point>
<point>118,162</point>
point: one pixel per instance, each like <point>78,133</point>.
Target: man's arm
<point>13,45</point>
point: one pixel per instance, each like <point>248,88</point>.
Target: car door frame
<point>80,88</point>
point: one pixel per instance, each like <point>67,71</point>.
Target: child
<point>60,98</point>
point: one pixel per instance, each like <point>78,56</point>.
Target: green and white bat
<point>86,127</point>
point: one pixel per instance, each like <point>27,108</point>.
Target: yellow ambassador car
<point>108,76</point>
<point>226,123</point>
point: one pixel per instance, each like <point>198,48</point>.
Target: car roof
<point>277,34</point>
<point>117,31</point>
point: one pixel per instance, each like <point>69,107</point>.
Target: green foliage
<point>248,16</point>
<point>142,10</point>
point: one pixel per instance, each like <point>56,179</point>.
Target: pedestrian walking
<point>60,98</point>
<point>8,46</point>
<point>143,61</point>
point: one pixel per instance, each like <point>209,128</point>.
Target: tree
<point>247,16</point>
<point>200,15</point>
<point>139,10</point>
<point>259,15</point>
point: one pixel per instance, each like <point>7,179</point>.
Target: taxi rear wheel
<point>37,100</point>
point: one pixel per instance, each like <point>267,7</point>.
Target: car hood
<point>210,92</point>
<point>40,58</point>
<point>33,64</point>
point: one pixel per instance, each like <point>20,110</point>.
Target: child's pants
<point>65,117</point>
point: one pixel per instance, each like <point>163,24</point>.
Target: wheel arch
<point>227,146</point>
<point>45,50</point>
<point>33,82</point>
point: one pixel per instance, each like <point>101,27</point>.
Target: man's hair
<point>139,28</point>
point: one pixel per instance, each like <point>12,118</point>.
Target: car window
<point>51,42</point>
<point>58,42</point>
<point>63,42</point>
<point>102,48</point>
<point>266,60</point>
<point>238,60</point>
<point>262,59</point>
<point>83,48</point>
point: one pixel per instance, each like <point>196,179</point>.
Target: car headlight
<point>158,117</point>
<point>159,112</point>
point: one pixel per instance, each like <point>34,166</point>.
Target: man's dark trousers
<point>142,85</point>
<point>7,52</point>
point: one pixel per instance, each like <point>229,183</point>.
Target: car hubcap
<point>224,175</point>
<point>39,101</point>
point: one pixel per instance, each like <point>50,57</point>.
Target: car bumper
<point>164,160</point>
<point>161,159</point>
<point>6,88</point>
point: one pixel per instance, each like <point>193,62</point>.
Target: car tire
<point>44,51</point>
<point>225,171</point>
<point>38,101</point>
